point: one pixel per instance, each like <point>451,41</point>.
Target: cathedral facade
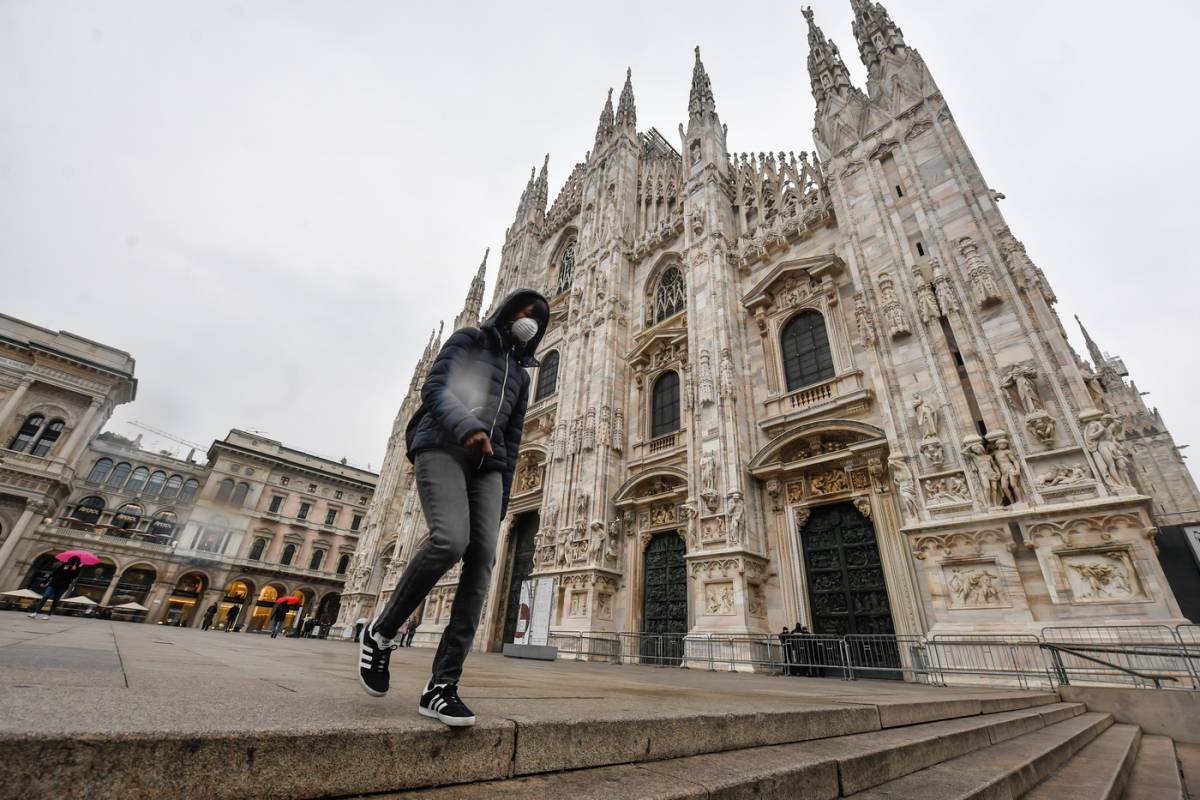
<point>824,387</point>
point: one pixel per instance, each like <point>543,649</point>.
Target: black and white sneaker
<point>441,701</point>
<point>374,653</point>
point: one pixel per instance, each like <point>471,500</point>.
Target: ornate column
<point>79,437</point>
<point>14,399</point>
<point>29,517</point>
<point>112,587</point>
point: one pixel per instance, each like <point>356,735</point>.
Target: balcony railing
<point>54,467</point>
<point>820,398</point>
<point>659,446</point>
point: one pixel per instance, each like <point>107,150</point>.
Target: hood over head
<point>498,324</point>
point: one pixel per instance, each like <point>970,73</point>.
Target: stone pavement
<point>139,710</point>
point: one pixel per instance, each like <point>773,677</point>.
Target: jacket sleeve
<point>512,441</point>
<point>440,402</point>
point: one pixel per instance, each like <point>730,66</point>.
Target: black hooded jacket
<point>479,383</point>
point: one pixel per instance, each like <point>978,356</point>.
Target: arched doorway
<point>237,595</point>
<point>844,576</point>
<point>181,605</point>
<point>520,565</point>
<point>665,598</point>
<point>261,615</point>
<point>301,611</point>
<point>134,587</point>
<point>327,611</point>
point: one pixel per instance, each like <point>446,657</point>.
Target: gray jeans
<point>462,509</point>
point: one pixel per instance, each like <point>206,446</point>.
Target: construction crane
<point>158,432</point>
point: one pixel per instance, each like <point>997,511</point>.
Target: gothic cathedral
<point>826,388</point>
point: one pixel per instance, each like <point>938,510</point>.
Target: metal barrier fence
<point>1139,656</point>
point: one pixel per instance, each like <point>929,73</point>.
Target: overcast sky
<point>270,204</point>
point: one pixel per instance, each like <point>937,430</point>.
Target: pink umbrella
<point>86,557</point>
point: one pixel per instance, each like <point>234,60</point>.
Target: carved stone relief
<point>984,289</point>
<point>946,490</point>
<point>975,586</point>
<point>1097,577</point>
<point>718,598</point>
<point>756,600</point>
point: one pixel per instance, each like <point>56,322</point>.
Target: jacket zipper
<point>499,403</point>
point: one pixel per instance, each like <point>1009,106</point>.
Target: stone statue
<point>927,416</point>
<point>1099,440</point>
<point>981,461</point>
<point>1010,471</point>
<point>708,480</point>
<point>551,520</point>
<point>689,508</point>
<point>736,509</point>
<point>1021,383</point>
<point>905,486</point>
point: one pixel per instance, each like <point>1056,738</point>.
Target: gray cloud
<point>270,204</point>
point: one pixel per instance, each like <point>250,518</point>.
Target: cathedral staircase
<point>1036,748</point>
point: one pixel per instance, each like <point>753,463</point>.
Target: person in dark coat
<point>806,651</point>
<point>463,442</point>
<point>61,579</point>
<point>785,645</point>
<point>232,614</point>
<point>209,614</point>
<point>277,616</point>
<point>414,622</point>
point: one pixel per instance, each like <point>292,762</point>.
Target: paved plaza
<point>243,715</point>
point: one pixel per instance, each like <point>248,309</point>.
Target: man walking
<point>463,442</point>
<point>278,614</point>
<point>210,614</point>
<point>60,580</point>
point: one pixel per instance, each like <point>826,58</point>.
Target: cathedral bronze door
<point>521,565</point>
<point>846,590</point>
<point>664,600</point>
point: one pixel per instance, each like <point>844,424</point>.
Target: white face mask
<point>524,329</point>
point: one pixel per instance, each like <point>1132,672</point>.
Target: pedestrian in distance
<point>785,645</point>
<point>403,634</point>
<point>463,443</point>
<point>278,614</point>
<point>209,614</point>
<point>60,580</point>
<point>232,614</point>
<point>414,622</point>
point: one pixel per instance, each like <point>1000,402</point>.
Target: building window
<point>331,516</point>
<point>188,493</point>
<point>88,510</point>
<point>118,476</point>
<point>304,509</point>
<point>33,424</point>
<point>806,356</point>
<point>566,267</point>
<point>312,488</point>
<point>664,411</point>
<point>137,480</point>
<point>155,484</point>
<point>285,480</point>
<point>318,556</point>
<point>256,549</point>
<point>547,383</point>
<point>337,495</point>
<point>343,564</point>
<point>225,491</point>
<point>289,553</point>
<point>100,470</point>
<point>128,516</point>
<point>49,436</point>
<point>171,487</point>
<point>163,525</point>
<point>670,296</point>
<point>356,522</point>
<point>239,495</point>
<point>276,504</point>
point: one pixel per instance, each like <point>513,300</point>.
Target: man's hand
<point>479,444</point>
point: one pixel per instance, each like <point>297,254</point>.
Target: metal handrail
<point>1061,671</point>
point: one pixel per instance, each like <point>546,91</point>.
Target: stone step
<point>1099,771</point>
<point>999,772</point>
<point>819,768</point>
<point>396,753</point>
<point>1155,772</point>
<point>1189,764</point>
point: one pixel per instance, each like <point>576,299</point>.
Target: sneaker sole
<point>453,722</point>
